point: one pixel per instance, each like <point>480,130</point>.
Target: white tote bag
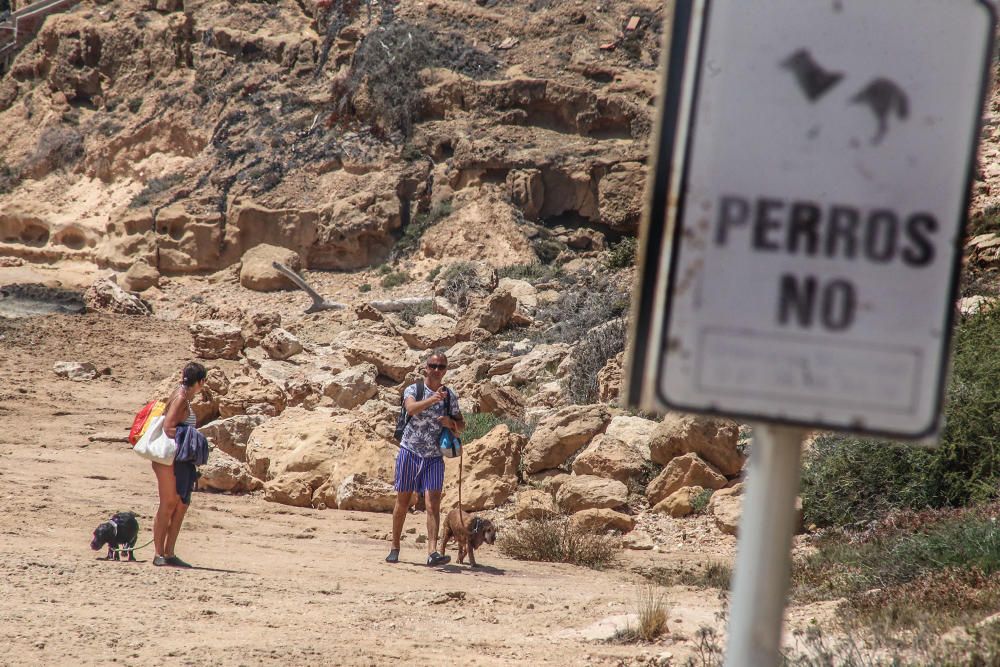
<point>155,445</point>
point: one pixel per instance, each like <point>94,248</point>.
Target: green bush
<point>434,273</point>
<point>395,279</point>
<point>535,272</point>
<point>850,480</point>
<point>622,254</point>
<point>479,424</point>
<point>700,502</point>
<point>365,287</point>
<point>411,312</point>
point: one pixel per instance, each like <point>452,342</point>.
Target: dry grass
<point>557,541</point>
<point>652,610</point>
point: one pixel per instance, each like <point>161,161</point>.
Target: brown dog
<point>469,532</point>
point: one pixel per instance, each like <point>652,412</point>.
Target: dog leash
<point>132,548</point>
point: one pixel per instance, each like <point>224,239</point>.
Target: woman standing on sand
<point>175,482</point>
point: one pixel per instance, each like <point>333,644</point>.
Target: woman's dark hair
<point>193,374</point>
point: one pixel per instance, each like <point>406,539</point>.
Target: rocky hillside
<point>182,134</point>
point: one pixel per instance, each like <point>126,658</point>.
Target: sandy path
<point>275,584</point>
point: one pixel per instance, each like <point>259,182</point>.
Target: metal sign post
<point>802,242</point>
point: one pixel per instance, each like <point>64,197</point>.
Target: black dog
<point>122,529</point>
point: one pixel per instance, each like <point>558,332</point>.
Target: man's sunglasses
<point>438,367</point>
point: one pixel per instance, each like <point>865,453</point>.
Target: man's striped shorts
<point>414,473</point>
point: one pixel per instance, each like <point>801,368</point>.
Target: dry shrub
<point>589,357</point>
<point>58,147</point>
<point>652,608</point>
<point>558,541</point>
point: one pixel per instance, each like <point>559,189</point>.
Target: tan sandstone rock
<point>489,475</point>
<point>353,386</point>
<point>635,431</point>
<point>225,473</point>
<point>680,503</point>
<point>499,401</point>
<point>491,314</point>
<point>687,470</point>
<point>581,492</point>
<point>107,297</point>
<point>216,339</point>
<point>609,379</point>
<point>247,397</point>
<point>726,506</point>
<point>534,504</point>
<point>609,457</point>
<point>562,433</point>
<point>231,435</point>
<point>602,521</point>
<point>714,440</point>
<point>258,273</point>
<point>140,277</point>
<point>361,493</point>
<point>391,356</point>
<point>281,344</point>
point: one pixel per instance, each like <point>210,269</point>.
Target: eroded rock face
<point>563,433</point>
<point>390,356</point>
<point>489,476</point>
<point>75,370</point>
<point>491,314</point>
<point>582,492</point>
<point>687,470</point>
<point>714,440</point>
<point>609,379</point>
<point>216,339</point>
<point>247,397</point>
<point>140,277</point>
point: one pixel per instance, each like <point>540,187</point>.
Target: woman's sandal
<point>393,556</point>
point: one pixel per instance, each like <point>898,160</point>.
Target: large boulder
<point>247,397</point>
<point>687,470</point>
<point>610,457</point>
<point>534,504</point>
<point>258,272</point>
<point>280,344</point>
<point>499,401</point>
<point>430,332</point>
<point>680,503</point>
<point>532,366</point>
<point>364,494</point>
<point>390,356</point>
<point>582,492</point>
<point>231,435</point>
<point>602,521</point>
<point>726,506</point>
<point>293,489</point>
<point>353,386</point>
<point>523,291</point>
<point>225,473</point>
<point>216,339</point>
<point>635,431</point>
<point>562,433</point>
<point>489,475</point>
<point>140,277</point>
<point>256,326</point>
<point>714,440</point>
<point>107,297</point>
<point>491,314</point>
<point>319,448</point>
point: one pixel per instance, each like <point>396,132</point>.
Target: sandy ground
<point>273,584</point>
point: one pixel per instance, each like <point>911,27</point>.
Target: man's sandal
<point>393,556</point>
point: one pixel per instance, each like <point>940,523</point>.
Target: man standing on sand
<point>419,464</point>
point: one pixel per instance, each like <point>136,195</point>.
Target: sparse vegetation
<point>589,356</point>
<point>557,541</point>
<point>594,299</point>
<point>461,281</point>
<point>651,608</point>
<point>700,502</point>
<point>395,279</point>
<point>536,272</point>
<point>154,187</point>
<point>852,481</point>
<point>434,273</point>
<point>58,147</point>
<point>547,250</point>
<point>419,224</point>
<point>622,254</point>
<point>9,177</point>
<point>985,221</point>
<point>364,287</point>
<point>479,424</point>
<point>411,312</point>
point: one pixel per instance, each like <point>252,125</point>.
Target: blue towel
<point>191,445</point>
